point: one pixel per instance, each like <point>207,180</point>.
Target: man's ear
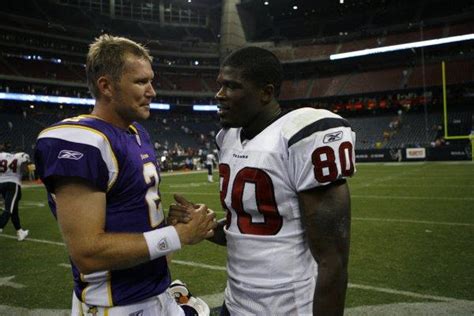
<point>268,93</point>
<point>106,88</point>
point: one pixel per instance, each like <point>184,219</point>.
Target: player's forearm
<point>331,286</point>
<point>219,234</point>
<point>108,251</point>
<point>115,251</point>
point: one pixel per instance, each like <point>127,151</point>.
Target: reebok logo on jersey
<point>70,154</point>
<point>332,137</point>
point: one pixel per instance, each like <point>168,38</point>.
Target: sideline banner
<point>416,153</point>
<point>378,155</point>
<point>446,153</point>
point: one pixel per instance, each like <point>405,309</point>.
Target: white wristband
<point>162,241</point>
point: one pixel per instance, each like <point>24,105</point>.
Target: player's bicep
<point>80,210</point>
<point>326,218</point>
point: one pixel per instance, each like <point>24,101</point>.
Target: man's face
<point>239,99</point>
<point>134,92</point>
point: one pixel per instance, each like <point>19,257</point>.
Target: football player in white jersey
<point>11,167</point>
<point>283,186</point>
<point>210,161</point>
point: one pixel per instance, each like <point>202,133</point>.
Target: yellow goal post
<point>445,115</point>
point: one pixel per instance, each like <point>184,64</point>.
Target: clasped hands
<point>193,222</point>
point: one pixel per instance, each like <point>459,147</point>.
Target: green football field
<point>412,245</point>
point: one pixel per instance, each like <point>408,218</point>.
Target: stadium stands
<point>43,46</point>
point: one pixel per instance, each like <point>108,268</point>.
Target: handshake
<point>193,222</point>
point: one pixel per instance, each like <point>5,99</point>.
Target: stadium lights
<point>64,100</point>
<point>198,107</point>
<point>391,48</point>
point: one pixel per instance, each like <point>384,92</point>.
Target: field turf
<point>412,244</point>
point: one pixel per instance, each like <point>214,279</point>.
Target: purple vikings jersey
<point>123,165</point>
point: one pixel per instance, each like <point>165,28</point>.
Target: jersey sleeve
<point>321,150</point>
<point>220,138</point>
<point>22,157</point>
<point>68,151</point>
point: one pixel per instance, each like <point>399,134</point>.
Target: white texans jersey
<point>10,166</point>
<point>260,179</point>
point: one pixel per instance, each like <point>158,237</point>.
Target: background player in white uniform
<point>210,161</point>
<point>283,186</point>
<point>103,187</point>
<point>11,168</point>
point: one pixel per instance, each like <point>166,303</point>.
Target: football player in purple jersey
<point>102,180</point>
<point>283,187</point>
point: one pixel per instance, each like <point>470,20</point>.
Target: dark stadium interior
<point>393,100</point>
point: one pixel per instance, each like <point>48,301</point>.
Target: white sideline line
<point>186,263</point>
<point>410,221</point>
<point>215,300</point>
<point>413,163</point>
<point>407,197</point>
<point>199,265</point>
<point>424,186</point>
<point>404,293</point>
<point>373,219</point>
<point>359,196</point>
<point>218,297</point>
<point>42,241</point>
<point>179,173</point>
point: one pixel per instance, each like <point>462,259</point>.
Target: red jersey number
<point>325,165</point>
<point>4,166</point>
<point>265,201</point>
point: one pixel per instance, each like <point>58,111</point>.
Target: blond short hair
<point>106,56</point>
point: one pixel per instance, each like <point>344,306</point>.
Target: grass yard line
<point>185,263</point>
<point>361,196</point>
<point>374,219</point>
<point>34,240</point>
<point>191,193</point>
<point>429,185</point>
<point>424,176</point>
<point>407,197</point>
<point>185,185</point>
<point>215,300</point>
<point>404,293</point>
<point>409,221</point>
<point>216,297</point>
<point>412,163</point>
<point>32,186</point>
<point>199,265</point>
<point>180,173</point>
